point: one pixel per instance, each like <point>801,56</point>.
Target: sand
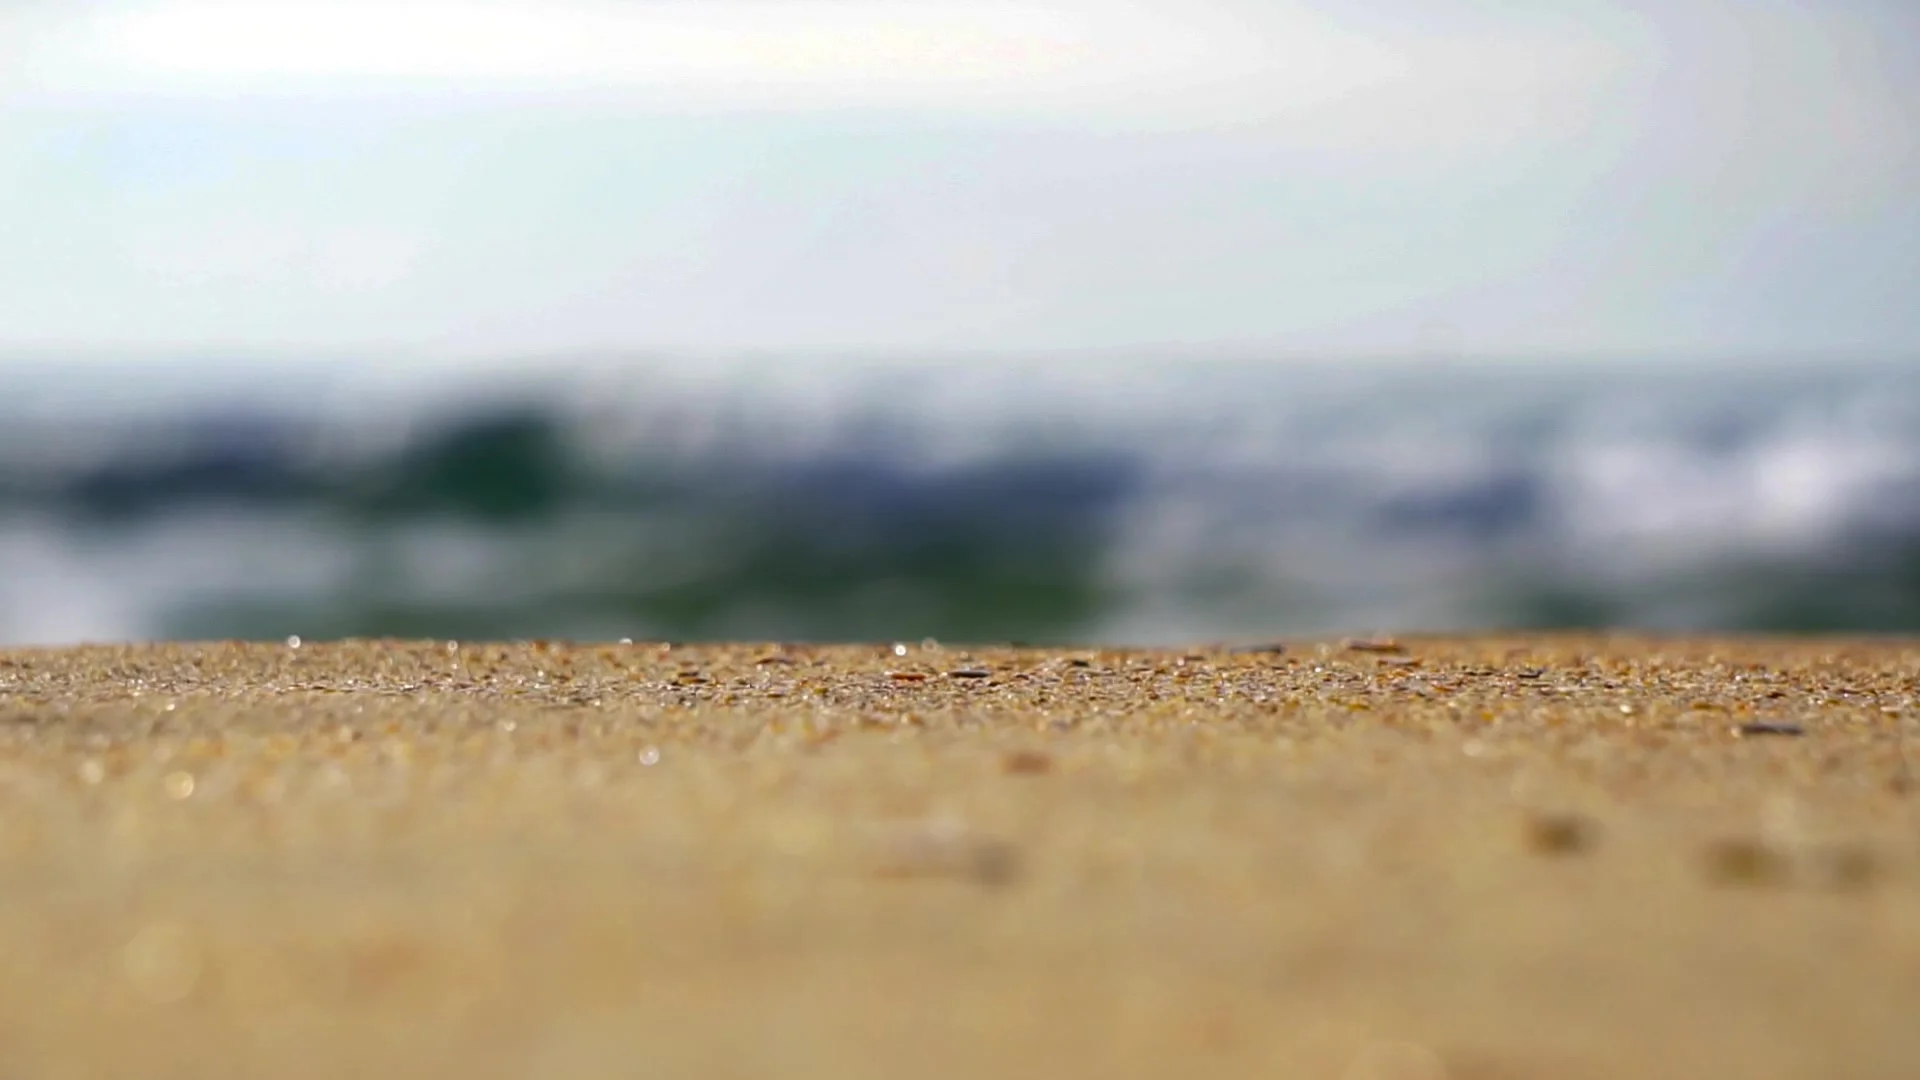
<point>1474,858</point>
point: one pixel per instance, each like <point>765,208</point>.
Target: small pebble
<point>1560,834</point>
<point>1761,728</point>
<point>1027,763</point>
<point>1269,648</point>
<point>1744,861</point>
<point>970,673</point>
<point>1845,867</point>
<point>1373,645</point>
<point>945,848</point>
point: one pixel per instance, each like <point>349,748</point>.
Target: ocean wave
<point>1131,503</point>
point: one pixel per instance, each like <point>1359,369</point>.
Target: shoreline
<point>1518,855</point>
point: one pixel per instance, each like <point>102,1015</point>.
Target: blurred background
<point>1137,321</point>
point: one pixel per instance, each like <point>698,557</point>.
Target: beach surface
<point>1499,857</point>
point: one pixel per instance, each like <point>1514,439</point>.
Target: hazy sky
<point>1346,176</point>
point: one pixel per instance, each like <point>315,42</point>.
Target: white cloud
<point>286,258</point>
<point>1607,174</point>
<point>1147,59</point>
<point>706,53</point>
<point>23,32</point>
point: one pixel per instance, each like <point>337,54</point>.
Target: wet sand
<point>1546,856</point>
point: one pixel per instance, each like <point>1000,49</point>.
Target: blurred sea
<point>1126,502</point>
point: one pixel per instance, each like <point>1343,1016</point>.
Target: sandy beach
<point>1531,856</point>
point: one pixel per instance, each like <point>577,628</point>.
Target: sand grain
<point>1496,857</point>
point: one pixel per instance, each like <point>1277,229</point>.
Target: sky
<point>1643,178</point>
